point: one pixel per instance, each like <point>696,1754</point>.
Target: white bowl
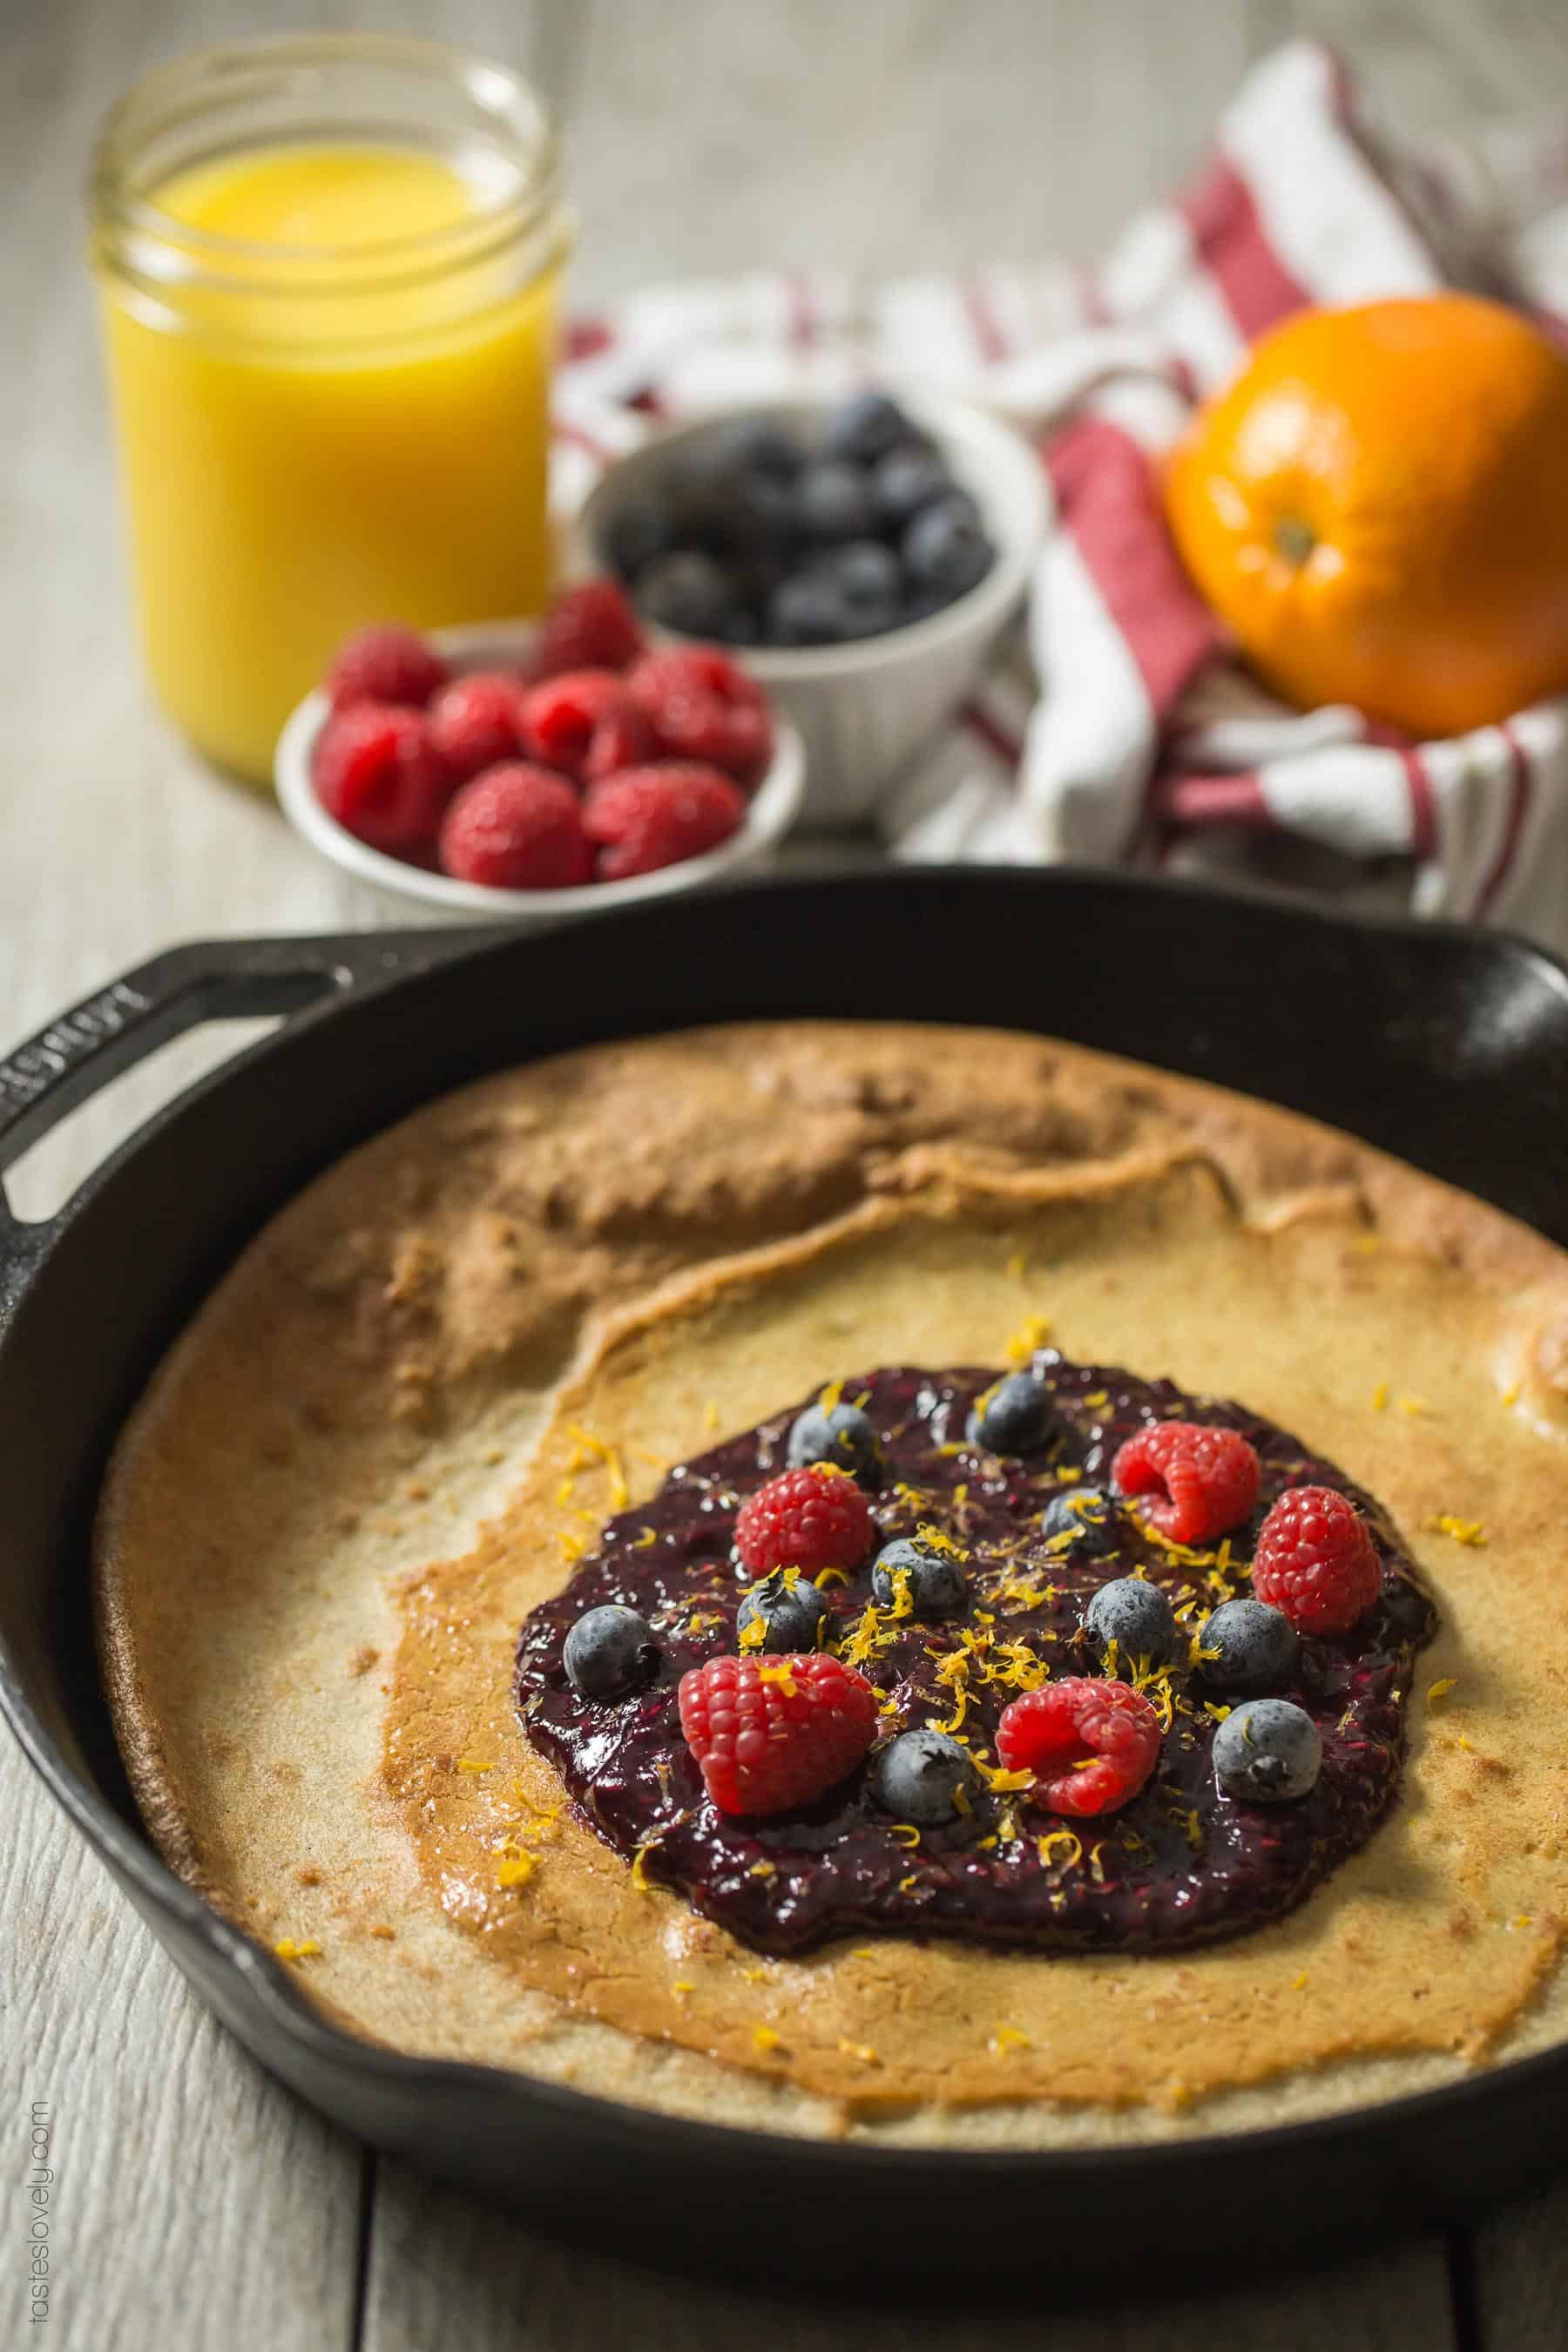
<point>502,644</point>
<point>864,709</point>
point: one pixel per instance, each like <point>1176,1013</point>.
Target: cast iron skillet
<point>1447,1046</point>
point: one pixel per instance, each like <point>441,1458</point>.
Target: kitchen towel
<point>1117,725</point>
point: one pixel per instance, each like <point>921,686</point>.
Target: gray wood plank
<point>908,136</point>
<point>1445,66</point>
<point>442,2270</point>
<point>1521,2261</point>
<point>192,2194</point>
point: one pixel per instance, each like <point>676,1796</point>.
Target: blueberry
<point>1014,1417</point>
<point>609,1651</point>
<point>1136,1616</point>
<point>832,502</point>
<point>1257,1646</point>
<point>872,620</point>
<point>840,1433</point>
<point>694,487</point>
<point>1082,1520</point>
<point>765,519</point>
<point>718,510</point>
<point>702,460</point>
<point>690,592</point>
<point>918,1776</point>
<point>920,603</point>
<point>904,481</point>
<point>637,536</point>
<point>867,576</point>
<point>960,504</point>
<point>790,1609</point>
<point>808,610</point>
<point>936,1583</point>
<point>1268,1751</point>
<point>739,626</point>
<point>757,445</point>
<point>865,570</point>
<point>945,546</point>
<point>865,427</point>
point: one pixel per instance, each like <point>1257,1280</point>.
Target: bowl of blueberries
<point>861,554</point>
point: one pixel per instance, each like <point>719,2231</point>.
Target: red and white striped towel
<point>1130,733</point>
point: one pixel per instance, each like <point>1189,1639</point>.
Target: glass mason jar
<point>328,268</point>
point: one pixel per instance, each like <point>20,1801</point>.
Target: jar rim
<point>178,93</point>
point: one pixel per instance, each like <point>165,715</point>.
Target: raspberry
<point>694,669</point>
<point>810,1519</point>
<point>770,1733</point>
<point>476,721</point>
<point>702,706</point>
<point>590,628</point>
<point>516,828</point>
<point>374,770</point>
<point>1205,1479</point>
<point>385,664</point>
<point>623,738</point>
<point>1315,1561</point>
<point>648,817</point>
<point>699,727</point>
<point>586,720</point>
<point>1091,1744</point>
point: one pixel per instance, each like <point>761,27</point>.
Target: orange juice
<point>330,363</point>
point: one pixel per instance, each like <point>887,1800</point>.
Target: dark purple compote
<point>1182,1863</point>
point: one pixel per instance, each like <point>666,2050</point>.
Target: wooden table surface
<point>196,2204</point>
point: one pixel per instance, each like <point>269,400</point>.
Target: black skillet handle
<point>122,1023</point>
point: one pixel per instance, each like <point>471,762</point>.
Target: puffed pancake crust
<point>397,1419</point>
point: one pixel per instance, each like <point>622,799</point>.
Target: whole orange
<point>1378,506</point>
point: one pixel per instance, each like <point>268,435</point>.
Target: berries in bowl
<point>759,531</point>
<point>516,769</point>
<point>862,553</point>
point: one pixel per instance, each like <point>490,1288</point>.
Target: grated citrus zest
<point>597,1451</point>
<point>1463,1531</point>
<point>1071,1844</point>
<point>1033,1332</point>
<point>513,1867</point>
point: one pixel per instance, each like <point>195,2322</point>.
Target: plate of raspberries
<point>520,768</point>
